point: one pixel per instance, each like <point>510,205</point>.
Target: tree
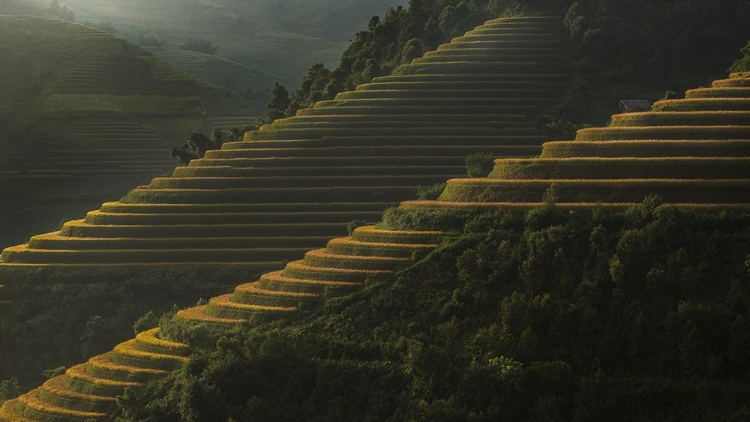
<point>278,103</point>
<point>195,146</point>
<point>199,45</point>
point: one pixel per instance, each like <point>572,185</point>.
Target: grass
<point>32,406</point>
<point>685,118</point>
<point>352,152</point>
<point>276,195</point>
<point>119,207</point>
<point>433,102</point>
<point>703,104</point>
<point>24,255</point>
<point>451,92</point>
<point>325,259</point>
<point>421,85</point>
<point>566,149</point>
<point>449,109</point>
<point>98,217</point>
<point>473,77</point>
<point>663,132</point>
<point>211,230</point>
<point>630,190</point>
<point>623,168</point>
<point>347,246</point>
<point>276,281</point>
<point>198,314</point>
<point>298,269</point>
<point>127,354</point>
<point>224,307</point>
<point>53,391</point>
<point>343,169</point>
<point>374,235</point>
<point>77,379</point>
<point>8,412</point>
<point>723,92</point>
<point>148,341</point>
<point>732,82</point>
<point>290,183</point>
<point>55,241</point>
<point>102,367</point>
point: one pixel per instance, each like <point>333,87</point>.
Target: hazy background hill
<point>277,39</point>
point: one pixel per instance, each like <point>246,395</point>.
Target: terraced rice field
<point>693,151</point>
<point>88,391</point>
<point>122,77</point>
<point>114,145</point>
<point>217,70</point>
<point>305,177</point>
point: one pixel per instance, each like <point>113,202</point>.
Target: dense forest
<point>548,316</point>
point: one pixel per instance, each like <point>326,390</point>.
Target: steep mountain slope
<point>374,254</point>
<point>306,176</point>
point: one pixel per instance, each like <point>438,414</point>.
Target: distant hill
<point>81,107</point>
<point>278,38</point>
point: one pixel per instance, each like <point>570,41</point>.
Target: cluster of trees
<point>548,316</point>
<point>63,12</point>
<point>200,45</point>
<point>150,41</point>
<point>196,144</point>
<point>619,49</point>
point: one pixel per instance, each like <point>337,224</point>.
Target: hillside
<point>284,190</point>
<point>84,117</point>
<point>591,308</point>
<point>276,38</point>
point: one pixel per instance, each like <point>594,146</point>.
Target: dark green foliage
<point>587,316</point>
<point>479,164</point>
<point>9,389</point>
<point>195,146</point>
<point>354,224</point>
<point>278,103</point>
<point>638,49</point>
<point>150,41</point>
<point>199,45</point>
<point>64,316</point>
<point>742,64</point>
<point>430,192</point>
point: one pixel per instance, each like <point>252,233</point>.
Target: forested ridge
<point>548,316</point>
<point>636,49</point>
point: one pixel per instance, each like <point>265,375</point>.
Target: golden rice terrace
<point>638,155</point>
<point>293,184</point>
<point>693,151</point>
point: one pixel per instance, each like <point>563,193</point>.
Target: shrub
<point>201,46</point>
<point>479,164</point>
<point>150,41</point>
<point>428,193</point>
<point>354,224</point>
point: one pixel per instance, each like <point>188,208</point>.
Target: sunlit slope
<point>305,177</point>
<point>694,150</point>
<point>88,391</point>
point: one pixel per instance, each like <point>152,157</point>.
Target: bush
<point>479,164</point>
<point>354,224</point>
<point>201,46</point>
<point>150,41</point>
<point>430,193</point>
